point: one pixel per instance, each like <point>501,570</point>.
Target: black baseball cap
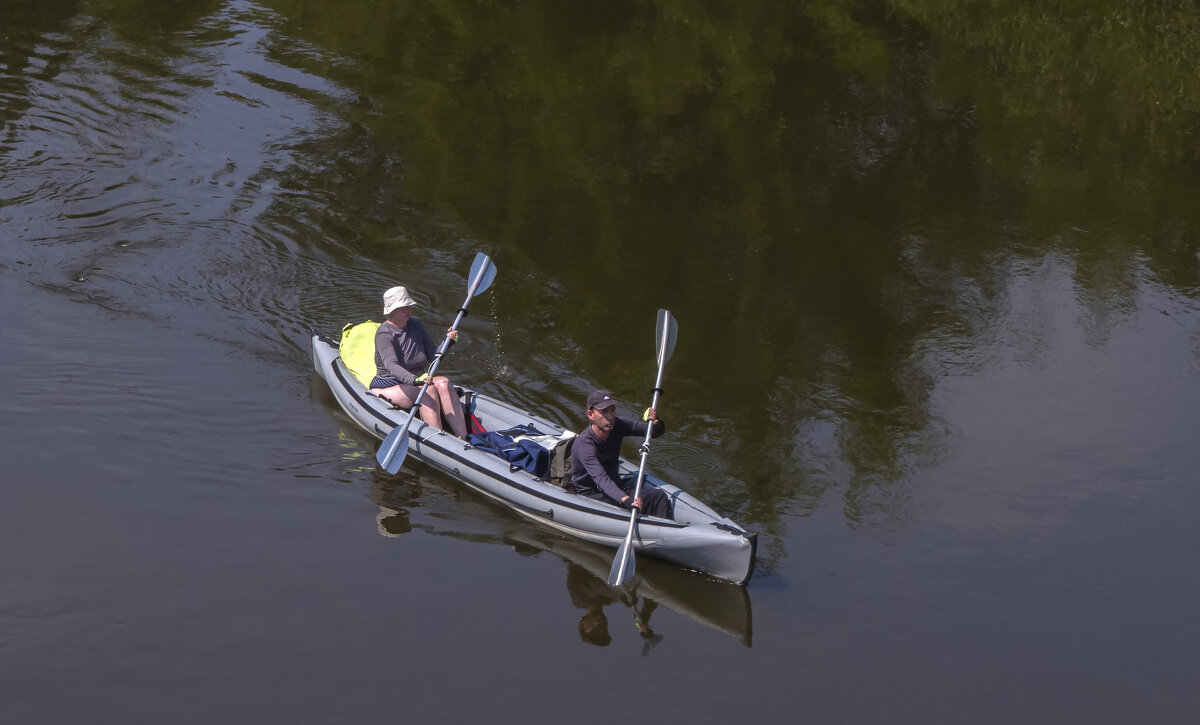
<point>601,399</point>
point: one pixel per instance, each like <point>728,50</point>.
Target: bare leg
<point>404,395</point>
<point>451,406</point>
<point>430,411</point>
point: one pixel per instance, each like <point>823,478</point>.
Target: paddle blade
<point>393,450</point>
<point>623,565</point>
<point>665,331</point>
<point>483,271</point>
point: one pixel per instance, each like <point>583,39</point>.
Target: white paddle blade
<point>665,331</point>
<point>483,271</point>
<point>623,565</point>
<point>393,450</point>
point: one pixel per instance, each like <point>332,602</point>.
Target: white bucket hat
<point>397,297</point>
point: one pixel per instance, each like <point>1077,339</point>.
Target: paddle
<point>395,447</point>
<point>664,344</point>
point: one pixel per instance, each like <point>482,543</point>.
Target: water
<point>938,346</point>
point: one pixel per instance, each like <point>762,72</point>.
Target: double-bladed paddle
<point>395,447</point>
<point>624,565</point>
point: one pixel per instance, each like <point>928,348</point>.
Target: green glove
<point>646,415</point>
<point>421,378</point>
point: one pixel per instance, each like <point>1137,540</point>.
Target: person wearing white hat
<point>403,351</point>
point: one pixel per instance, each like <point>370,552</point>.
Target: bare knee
<point>430,403</point>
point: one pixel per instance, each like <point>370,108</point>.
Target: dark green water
<point>936,269</point>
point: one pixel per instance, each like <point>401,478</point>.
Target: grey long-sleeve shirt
<point>403,354</point>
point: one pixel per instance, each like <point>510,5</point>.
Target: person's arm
<point>638,427</point>
<point>605,483</point>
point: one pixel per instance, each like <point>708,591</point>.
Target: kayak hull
<point>699,538</point>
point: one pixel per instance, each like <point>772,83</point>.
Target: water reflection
<point>393,522</point>
<point>587,590</point>
<point>834,218</point>
<point>592,594</point>
<point>714,604</point>
<point>837,218</point>
<point>414,500</point>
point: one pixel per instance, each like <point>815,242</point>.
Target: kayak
<point>698,538</point>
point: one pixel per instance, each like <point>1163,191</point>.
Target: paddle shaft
<point>645,448</point>
<point>624,564</point>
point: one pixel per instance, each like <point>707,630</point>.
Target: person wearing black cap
<point>596,453</point>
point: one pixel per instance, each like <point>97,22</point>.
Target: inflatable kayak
<point>698,538</point>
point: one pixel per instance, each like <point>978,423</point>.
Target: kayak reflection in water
<point>592,594</point>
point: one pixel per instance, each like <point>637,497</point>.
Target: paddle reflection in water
<point>720,605</point>
<point>592,594</point>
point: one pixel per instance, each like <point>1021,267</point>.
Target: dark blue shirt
<point>595,463</point>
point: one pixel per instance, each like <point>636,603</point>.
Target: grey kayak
<point>698,538</point>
